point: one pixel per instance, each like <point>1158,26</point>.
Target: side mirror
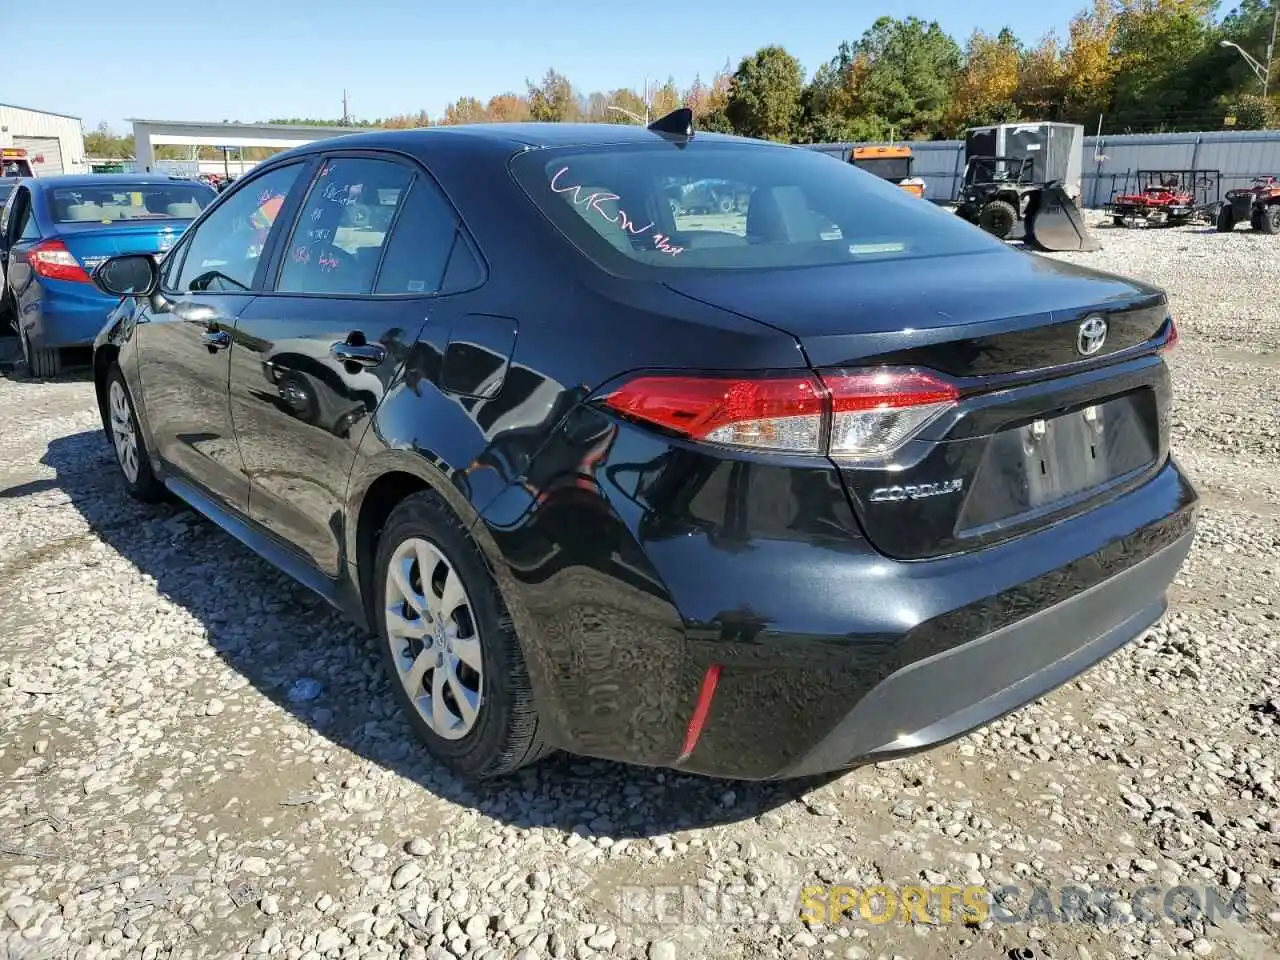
<point>132,275</point>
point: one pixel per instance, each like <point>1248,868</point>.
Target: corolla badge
<point>1091,336</point>
<point>917,491</point>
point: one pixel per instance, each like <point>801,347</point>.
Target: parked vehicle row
<point>55,230</point>
<point>836,477</point>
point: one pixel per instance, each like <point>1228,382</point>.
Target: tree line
<point>1137,66</point>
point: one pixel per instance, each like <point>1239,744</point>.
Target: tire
<point>1226,219</point>
<point>8,315</point>
<point>1271,219</point>
<point>42,364</point>
<point>998,217</point>
<point>296,393</point>
<point>497,730</point>
<point>135,466</point>
<point>1118,221</point>
<point>1255,219</point>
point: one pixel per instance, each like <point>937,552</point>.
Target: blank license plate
<point>1071,453</point>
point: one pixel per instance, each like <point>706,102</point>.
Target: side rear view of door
<point>366,264</point>
<point>185,340</point>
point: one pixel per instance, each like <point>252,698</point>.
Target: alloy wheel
<point>123,432</point>
<point>433,638</point>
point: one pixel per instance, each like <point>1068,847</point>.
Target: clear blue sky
<point>258,59</point>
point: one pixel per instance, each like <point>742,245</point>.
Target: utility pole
<point>1271,47</point>
<point>346,117</point>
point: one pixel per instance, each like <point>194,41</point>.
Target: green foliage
<point>764,96</point>
<point>910,66</point>
<point>553,100</point>
<point>1252,111</point>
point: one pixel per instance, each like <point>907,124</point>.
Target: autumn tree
<point>508,108</point>
<point>407,121</point>
<point>710,102</point>
<point>1089,66</point>
<point>764,97</point>
<point>664,99</point>
<point>1042,78</point>
<point>985,90</point>
<point>553,99</point>
<point>830,106</point>
<point>622,105</point>
<point>464,110</point>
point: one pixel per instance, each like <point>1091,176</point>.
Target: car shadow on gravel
<point>284,641</point>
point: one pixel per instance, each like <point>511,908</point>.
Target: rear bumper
<point>942,697</point>
<point>61,317</point>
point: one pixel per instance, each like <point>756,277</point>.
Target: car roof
<point>104,179</point>
<point>509,137</point>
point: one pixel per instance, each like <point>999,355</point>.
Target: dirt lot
<point>170,790</point>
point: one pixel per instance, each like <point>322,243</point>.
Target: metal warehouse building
<point>54,142</point>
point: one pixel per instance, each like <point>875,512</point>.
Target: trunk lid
<point>1048,423</point>
<point>92,243</point>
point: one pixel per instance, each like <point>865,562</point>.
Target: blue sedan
<point>55,230</point>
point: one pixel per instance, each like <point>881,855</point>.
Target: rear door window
<point>419,249</point>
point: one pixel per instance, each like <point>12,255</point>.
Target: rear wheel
<point>449,646</point>
<point>1270,220</point>
<point>43,363</point>
<point>8,315</point>
<point>131,453</point>
<point>998,217</point>
<point>1226,218</point>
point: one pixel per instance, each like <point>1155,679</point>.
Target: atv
<point>997,191</point>
<point>1162,203</point>
<point>1259,203</point>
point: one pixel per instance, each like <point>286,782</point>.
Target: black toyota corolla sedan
<point>760,489</point>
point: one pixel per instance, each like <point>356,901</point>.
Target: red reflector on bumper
<point>700,710</point>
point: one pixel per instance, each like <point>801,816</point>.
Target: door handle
<point>216,339</point>
<point>361,354</point>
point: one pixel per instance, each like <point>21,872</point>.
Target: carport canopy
<point>147,134</point>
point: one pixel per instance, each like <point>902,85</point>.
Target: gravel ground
<point>174,786</point>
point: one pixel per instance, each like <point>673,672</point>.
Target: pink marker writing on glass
<point>593,200</point>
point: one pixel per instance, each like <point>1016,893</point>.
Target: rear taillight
<point>876,411</point>
<point>1171,340</point>
<point>53,261</point>
<point>848,414</point>
<point>773,413</point>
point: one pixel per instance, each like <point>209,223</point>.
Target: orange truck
<point>889,163</point>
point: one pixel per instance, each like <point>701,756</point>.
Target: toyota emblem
<point>1092,335</point>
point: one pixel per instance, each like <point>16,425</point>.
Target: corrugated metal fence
<point>1111,163</point>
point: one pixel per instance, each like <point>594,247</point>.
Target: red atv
<point>1159,204</point>
<point>1259,203</point>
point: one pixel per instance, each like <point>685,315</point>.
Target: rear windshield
<point>129,201</point>
<point>732,206</point>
